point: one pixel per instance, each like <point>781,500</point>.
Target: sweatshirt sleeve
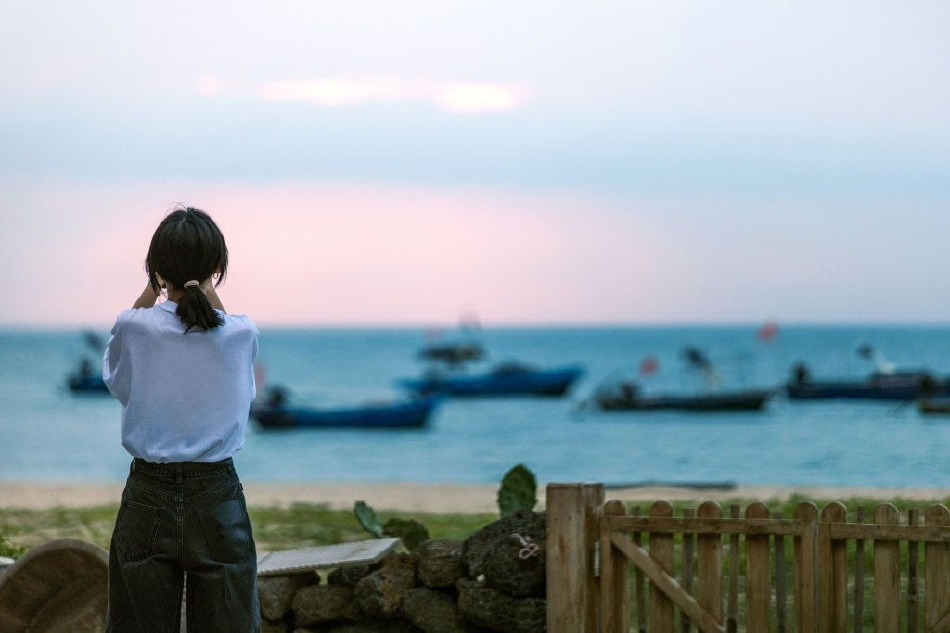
<point>115,370</point>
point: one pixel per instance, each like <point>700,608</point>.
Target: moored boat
<point>407,413</point>
<point>617,393</point>
<point>628,398</point>
<point>453,353</point>
<point>507,379</point>
<point>86,380</point>
<point>907,385</point>
<point>457,350</point>
<point>85,383</point>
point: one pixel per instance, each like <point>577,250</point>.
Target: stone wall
<point>492,581</point>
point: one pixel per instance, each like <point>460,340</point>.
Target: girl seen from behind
<point>183,371</point>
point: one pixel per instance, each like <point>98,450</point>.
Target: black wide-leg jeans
<point>178,519</point>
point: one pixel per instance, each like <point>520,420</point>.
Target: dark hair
<point>188,245</point>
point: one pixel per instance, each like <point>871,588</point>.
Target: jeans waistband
<point>187,469</point>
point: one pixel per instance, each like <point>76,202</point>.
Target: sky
<point>380,163</point>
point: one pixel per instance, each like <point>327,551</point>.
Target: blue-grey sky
<point>738,160</point>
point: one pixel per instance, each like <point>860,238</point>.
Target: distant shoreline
<point>440,498</point>
<point>68,328</point>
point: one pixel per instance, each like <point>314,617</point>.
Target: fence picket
<point>613,576</point>
<point>936,570</point>
<point>833,581</point>
<point>639,583</point>
<point>781,614</point>
<point>758,588</point>
<point>913,554</point>
<point>661,550</point>
<point>805,554</point>
<point>886,574</point>
<point>709,563</point>
<point>858,621</point>
<point>732,608</point>
<point>687,570</point>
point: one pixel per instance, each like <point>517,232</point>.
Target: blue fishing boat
<point>506,379</point>
<point>82,383</point>
<point>276,412</point>
<point>86,380</point>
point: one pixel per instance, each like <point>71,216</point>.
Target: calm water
<point>49,435</point>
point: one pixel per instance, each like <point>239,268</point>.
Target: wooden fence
<point>609,570</point>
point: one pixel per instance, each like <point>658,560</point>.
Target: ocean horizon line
<point>19,326</point>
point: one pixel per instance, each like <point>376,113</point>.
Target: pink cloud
<point>457,97</point>
<point>475,98</point>
<point>332,92</point>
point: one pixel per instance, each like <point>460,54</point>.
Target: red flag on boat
<point>768,331</point>
<point>649,365</point>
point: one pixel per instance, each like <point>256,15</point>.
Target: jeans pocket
<point>136,528</point>
<point>227,531</point>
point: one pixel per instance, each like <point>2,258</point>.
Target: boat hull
<point>406,414</point>
<point>878,387</point>
<point>87,384</point>
<point>544,383</point>
<point>735,401</point>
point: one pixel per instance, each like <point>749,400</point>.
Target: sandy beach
<point>412,497</point>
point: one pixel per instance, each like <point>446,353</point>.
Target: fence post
<point>572,514</point>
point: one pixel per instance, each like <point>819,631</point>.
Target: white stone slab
<point>298,561</point>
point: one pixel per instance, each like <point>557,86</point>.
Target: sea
<point>48,434</point>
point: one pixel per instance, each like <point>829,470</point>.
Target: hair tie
<point>192,282</point>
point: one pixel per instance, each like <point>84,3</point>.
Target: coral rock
<point>379,594</point>
<point>439,563</point>
<point>276,593</point>
<point>322,604</point>
<point>498,611</point>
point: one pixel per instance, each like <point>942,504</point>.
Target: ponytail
<point>186,248</point>
<point>195,311</point>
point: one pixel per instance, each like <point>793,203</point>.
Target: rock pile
<point>492,581</point>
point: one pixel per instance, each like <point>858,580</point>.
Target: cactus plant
<point>411,532</point>
<point>518,490</point>
<point>368,519</point>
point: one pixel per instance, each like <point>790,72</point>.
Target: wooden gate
<point>749,570</point>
